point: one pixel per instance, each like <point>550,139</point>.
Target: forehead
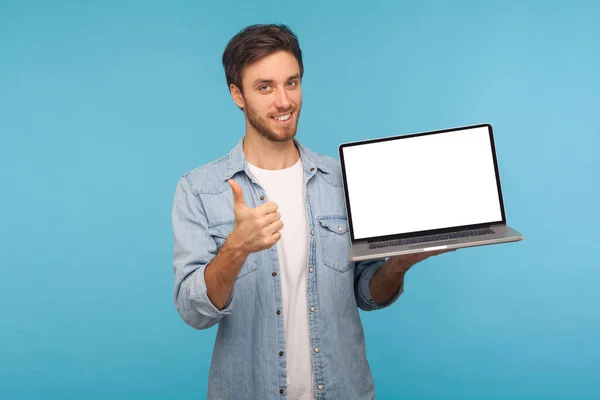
<point>278,66</point>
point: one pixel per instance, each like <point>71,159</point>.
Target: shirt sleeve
<point>363,273</point>
<point>193,249</point>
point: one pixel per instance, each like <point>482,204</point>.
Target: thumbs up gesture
<point>257,228</point>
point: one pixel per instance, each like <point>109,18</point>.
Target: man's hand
<point>390,276</point>
<point>255,229</point>
<point>404,262</point>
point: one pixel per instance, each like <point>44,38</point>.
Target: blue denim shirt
<point>246,362</point>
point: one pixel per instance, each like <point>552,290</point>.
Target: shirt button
<point>316,349</point>
<point>278,312</point>
<point>281,353</point>
<point>312,169</point>
<point>310,269</point>
<point>312,232</point>
<point>320,387</point>
<point>281,391</point>
<point>339,228</point>
<point>312,309</point>
<point>274,273</point>
<point>262,197</point>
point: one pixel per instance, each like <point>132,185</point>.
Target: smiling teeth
<point>283,117</point>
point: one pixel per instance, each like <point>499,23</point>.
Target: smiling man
<point>261,246</point>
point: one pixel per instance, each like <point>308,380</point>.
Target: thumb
<point>238,197</point>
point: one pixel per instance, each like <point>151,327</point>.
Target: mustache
<point>282,112</point>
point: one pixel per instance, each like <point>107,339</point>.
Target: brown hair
<point>255,42</point>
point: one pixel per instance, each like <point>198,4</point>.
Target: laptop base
<point>503,234</point>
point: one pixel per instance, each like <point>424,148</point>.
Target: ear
<point>237,96</point>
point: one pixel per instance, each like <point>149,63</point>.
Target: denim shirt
<point>248,360</point>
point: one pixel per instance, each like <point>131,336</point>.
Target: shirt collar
<point>238,162</point>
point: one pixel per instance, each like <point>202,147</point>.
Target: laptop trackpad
<point>437,242</point>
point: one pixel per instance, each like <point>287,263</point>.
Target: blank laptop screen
<point>421,183</point>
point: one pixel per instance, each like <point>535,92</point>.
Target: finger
<point>275,226</point>
<point>267,208</point>
<point>444,251</point>
<point>272,217</point>
<point>275,237</point>
<point>421,257</point>
<point>418,257</point>
<point>238,197</point>
<point>272,238</point>
<point>432,253</point>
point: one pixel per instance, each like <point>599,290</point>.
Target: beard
<point>264,128</point>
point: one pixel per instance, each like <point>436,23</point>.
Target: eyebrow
<point>262,81</point>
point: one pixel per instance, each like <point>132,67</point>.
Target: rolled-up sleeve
<point>363,273</point>
<point>193,249</point>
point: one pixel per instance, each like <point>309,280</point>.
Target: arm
<point>255,229</point>
<point>222,271</point>
<point>205,279</point>
<point>376,284</point>
<point>195,278</point>
<point>388,282</point>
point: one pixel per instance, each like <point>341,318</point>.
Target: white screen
<point>420,183</point>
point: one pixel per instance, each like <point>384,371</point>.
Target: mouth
<point>283,118</point>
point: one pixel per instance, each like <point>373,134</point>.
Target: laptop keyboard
<point>431,238</point>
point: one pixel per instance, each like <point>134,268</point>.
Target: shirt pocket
<point>335,242</point>
<point>220,231</point>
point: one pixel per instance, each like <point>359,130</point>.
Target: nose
<point>282,101</point>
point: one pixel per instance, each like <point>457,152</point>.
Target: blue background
<point>104,105</point>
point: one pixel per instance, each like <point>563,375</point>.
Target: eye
<point>293,83</point>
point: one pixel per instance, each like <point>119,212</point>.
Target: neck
<point>266,154</point>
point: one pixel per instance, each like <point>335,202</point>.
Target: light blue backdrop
<point>104,105</point>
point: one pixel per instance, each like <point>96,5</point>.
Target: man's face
<point>272,96</point>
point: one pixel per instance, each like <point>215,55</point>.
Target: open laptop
<point>423,192</point>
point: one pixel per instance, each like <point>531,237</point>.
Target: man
<point>261,246</point>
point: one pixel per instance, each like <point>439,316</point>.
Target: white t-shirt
<point>286,188</point>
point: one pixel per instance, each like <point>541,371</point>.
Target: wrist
<point>235,248</point>
<point>398,270</point>
<point>398,276</point>
<point>399,265</point>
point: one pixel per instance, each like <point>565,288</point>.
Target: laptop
<point>423,192</point>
